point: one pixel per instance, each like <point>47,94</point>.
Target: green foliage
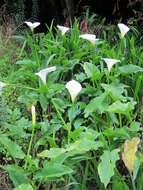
<point>17,174</point>
<point>12,147</point>
<point>63,144</point>
<point>107,165</point>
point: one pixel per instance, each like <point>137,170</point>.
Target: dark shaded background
<point>45,11</point>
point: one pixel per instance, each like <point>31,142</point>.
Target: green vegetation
<point>71,110</point>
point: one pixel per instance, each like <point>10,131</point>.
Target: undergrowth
<point>51,139</point>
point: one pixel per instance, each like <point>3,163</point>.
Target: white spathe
<point>2,84</point>
<point>74,87</point>
<point>123,29</point>
<point>43,73</point>
<point>32,25</point>
<point>63,29</point>
<point>33,115</point>
<point>90,37</point>
<point>110,62</point>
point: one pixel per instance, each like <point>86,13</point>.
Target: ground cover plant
<point>71,110</point>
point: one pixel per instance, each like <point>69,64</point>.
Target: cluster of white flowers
<point>73,86</point>
<point>91,37</point>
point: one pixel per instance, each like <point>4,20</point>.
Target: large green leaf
<point>26,62</point>
<point>107,165</point>
<point>95,104</point>
<point>117,132</point>
<point>119,184</point>
<point>85,143</point>
<point>115,90</point>
<point>17,175</point>
<point>129,69</point>
<point>92,71</point>
<point>123,108</point>
<point>11,146</point>
<point>82,146</point>
<point>53,170</point>
<point>52,153</point>
<point>24,187</point>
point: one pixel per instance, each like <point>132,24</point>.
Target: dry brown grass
<point>7,29</point>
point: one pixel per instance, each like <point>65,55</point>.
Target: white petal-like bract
<point>32,25</point>
<point>63,29</point>
<point>2,84</point>
<point>43,73</point>
<point>33,115</point>
<point>110,62</point>
<point>123,29</point>
<point>74,88</point>
<point>91,37</point>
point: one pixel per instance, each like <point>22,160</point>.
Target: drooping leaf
<point>82,146</point>
<point>92,71</point>
<point>17,175</point>
<point>50,59</point>
<point>95,104</point>
<point>53,170</point>
<point>117,132</point>
<point>135,127</point>
<point>24,187</point>
<point>123,108</point>
<point>119,184</point>
<point>129,69</point>
<point>26,62</point>
<point>107,165</point>
<point>12,147</point>
<point>52,153</point>
<point>115,90</point>
<point>129,154</point>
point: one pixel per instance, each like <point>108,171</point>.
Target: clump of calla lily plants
<point>77,119</point>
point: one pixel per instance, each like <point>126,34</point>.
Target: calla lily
<point>91,37</point>
<point>63,29</point>
<point>33,115</point>
<point>110,62</point>
<point>43,73</point>
<point>32,25</point>
<point>74,88</point>
<point>123,29</point>
<point>2,84</point>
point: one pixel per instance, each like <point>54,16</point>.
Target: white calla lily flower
<point>43,73</point>
<point>90,37</point>
<point>32,25</point>
<point>63,29</point>
<point>2,84</point>
<point>110,62</point>
<point>123,29</point>
<point>33,115</point>
<point>74,88</point>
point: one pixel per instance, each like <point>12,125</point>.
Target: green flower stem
<point>33,47</point>
<point>93,84</point>
<point>29,147</point>
<point>122,45</point>
<point>70,124</point>
<point>133,182</point>
<point>59,114</point>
